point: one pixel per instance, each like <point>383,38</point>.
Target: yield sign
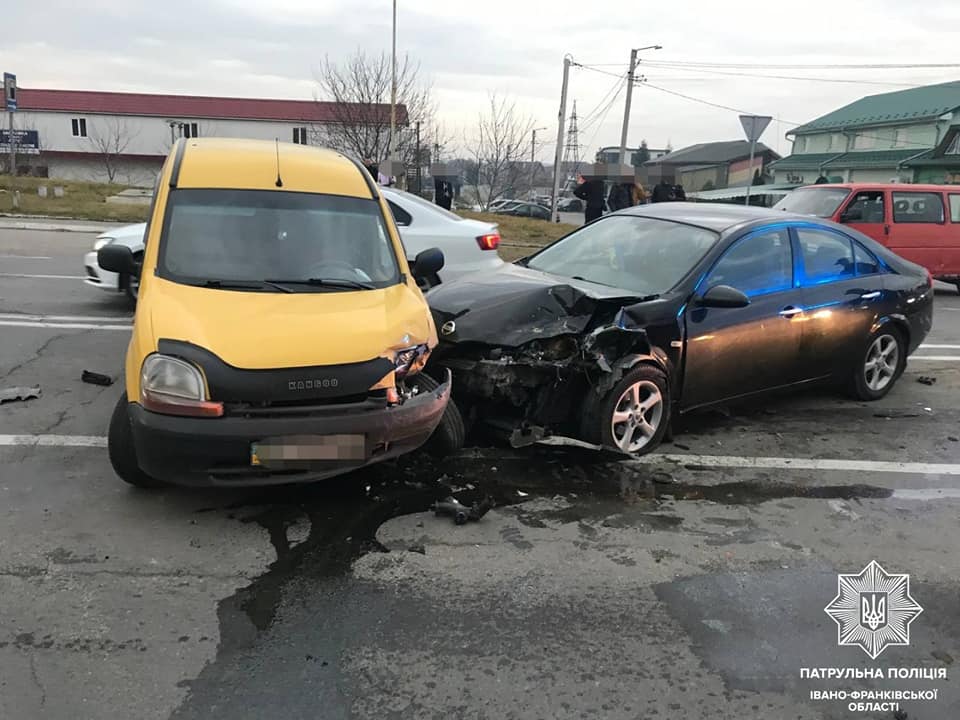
<point>754,125</point>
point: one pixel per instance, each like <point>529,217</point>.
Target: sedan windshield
<point>259,239</point>
<point>822,202</point>
<point>645,256</point>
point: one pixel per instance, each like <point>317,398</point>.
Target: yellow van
<point>279,333</point>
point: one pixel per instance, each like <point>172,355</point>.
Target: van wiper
<point>242,285</point>
<point>325,282</point>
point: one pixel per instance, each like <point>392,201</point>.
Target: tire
<point>123,454</point>
<point>880,364</point>
<point>450,434</point>
<point>131,285</point>
<point>633,433</point>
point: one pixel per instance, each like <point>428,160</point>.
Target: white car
<point>467,245</point>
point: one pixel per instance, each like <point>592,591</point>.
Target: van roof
<point>884,186</point>
<point>253,165</point>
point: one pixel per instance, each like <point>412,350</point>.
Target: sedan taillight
<point>491,241</point>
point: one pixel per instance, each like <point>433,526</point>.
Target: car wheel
<point>131,284</point>
<point>450,434</point>
<point>634,416</point>
<point>123,454</point>
<point>880,365</point>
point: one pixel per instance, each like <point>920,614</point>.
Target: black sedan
<point>526,209</point>
<point>611,331</point>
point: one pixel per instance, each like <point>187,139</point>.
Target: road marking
<point>786,463</point>
<point>27,257</point>
<point>64,325</point>
<point>42,277</point>
<point>927,494</point>
<point>939,347</point>
<point>54,440</point>
<point>937,358</point>
<point>65,318</point>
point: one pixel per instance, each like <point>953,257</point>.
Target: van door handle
<point>886,229</point>
<point>870,295</point>
<point>790,311</point>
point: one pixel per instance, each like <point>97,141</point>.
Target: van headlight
<point>410,360</point>
<point>173,386</point>
<point>102,242</point>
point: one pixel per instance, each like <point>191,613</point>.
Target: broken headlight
<point>173,386</point>
<point>410,360</point>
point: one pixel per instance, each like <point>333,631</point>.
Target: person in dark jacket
<point>663,192</point>
<point>620,197</point>
<point>591,192</point>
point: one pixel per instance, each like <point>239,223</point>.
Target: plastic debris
<point>19,393</point>
<point>460,512</point>
<point>96,378</point>
<point>926,380</point>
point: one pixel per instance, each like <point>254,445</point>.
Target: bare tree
<point>357,97</point>
<point>110,138</point>
<point>498,150</point>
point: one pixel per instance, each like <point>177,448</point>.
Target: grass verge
<point>520,237</point>
<point>81,200</point>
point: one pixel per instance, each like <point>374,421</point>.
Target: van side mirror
<point>853,214</point>
<point>723,296</point>
<point>118,259</point>
<point>426,263</point>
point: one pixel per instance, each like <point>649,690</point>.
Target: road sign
<point>10,91</point>
<point>754,125</point>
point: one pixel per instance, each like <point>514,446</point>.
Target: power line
<point>780,77</point>
<point>800,66</point>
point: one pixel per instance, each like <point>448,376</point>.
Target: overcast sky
<point>512,47</point>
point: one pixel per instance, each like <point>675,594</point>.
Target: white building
<point>124,137</point>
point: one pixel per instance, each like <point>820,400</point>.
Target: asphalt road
<point>691,585</point>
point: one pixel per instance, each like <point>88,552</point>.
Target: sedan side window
<point>400,216</point>
<point>756,265</point>
<point>866,263</point>
<point>827,256</point>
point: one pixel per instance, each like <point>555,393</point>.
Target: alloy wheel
<point>636,416</point>
<point>882,361</point>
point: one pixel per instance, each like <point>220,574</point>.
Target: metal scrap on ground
<point>19,393</point>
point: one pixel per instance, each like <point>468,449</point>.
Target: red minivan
<point>920,223</point>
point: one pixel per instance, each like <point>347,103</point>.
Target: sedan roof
<point>713,216</point>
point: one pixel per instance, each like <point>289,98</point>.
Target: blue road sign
<point>10,91</point>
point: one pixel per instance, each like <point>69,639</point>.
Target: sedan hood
<point>515,305</point>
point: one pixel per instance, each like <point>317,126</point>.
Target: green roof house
<point>907,136</point>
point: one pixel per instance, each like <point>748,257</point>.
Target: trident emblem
<point>873,609</point>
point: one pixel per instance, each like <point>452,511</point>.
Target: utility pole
<point>419,163</point>
<point>558,155</point>
<point>393,91</point>
<point>10,101</point>
<point>626,109</point>
<point>533,156</point>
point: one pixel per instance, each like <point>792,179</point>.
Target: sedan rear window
<point>645,256</point>
<point>256,235</point>
<point>822,202</point>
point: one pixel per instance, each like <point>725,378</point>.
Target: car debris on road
<point>19,393</point>
<point>462,513</point>
<point>93,378</point>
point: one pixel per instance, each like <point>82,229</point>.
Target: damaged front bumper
<point>221,451</point>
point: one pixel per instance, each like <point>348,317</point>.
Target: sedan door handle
<point>870,295</point>
<point>789,311</point>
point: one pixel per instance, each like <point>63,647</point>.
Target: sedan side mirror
<point>428,262</point>
<point>118,259</point>
<point>723,296</point>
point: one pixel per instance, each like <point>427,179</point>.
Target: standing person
<point>591,192</point>
<point>639,194</point>
<point>620,197</point>
<point>372,168</point>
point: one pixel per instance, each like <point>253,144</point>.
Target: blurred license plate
<point>305,449</point>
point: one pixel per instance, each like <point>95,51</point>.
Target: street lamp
<point>626,110</point>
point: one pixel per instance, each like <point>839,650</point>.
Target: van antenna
<point>279,181</point>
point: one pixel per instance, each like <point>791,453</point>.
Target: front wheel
<point>450,434</point>
<point>880,365</point>
<point>634,416</point>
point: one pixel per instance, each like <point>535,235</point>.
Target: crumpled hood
<point>515,305</point>
<point>257,330</point>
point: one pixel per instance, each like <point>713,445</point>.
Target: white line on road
<point>927,494</point>
<point>926,346</point>
<point>937,358</point>
<point>54,440</point>
<point>65,318</point>
<point>786,463</point>
<point>27,257</point>
<point>66,326</point>
<point>41,277</point>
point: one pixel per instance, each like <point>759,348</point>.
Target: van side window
<point>954,207</point>
<point>827,256</point>
<point>917,207</point>
<point>867,207</point>
<point>866,263</point>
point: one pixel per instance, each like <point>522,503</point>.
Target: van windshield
<point>275,241</point>
<point>822,202</point>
